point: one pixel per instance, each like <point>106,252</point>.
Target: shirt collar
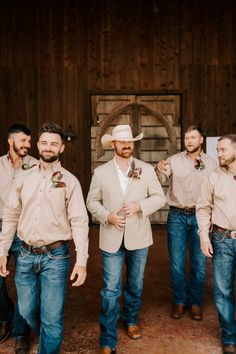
<point>53,167</point>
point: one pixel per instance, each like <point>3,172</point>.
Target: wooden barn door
<point>158,117</point>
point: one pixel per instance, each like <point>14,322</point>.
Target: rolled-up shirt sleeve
<point>78,218</point>
<point>204,209</point>
<point>11,214</point>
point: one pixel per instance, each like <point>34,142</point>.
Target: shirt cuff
<point>81,260</point>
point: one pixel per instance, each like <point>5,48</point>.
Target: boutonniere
<point>199,165</point>
<point>27,166</point>
<point>134,172</point>
<point>56,180</point>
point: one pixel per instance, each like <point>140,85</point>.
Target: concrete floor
<point>161,333</point>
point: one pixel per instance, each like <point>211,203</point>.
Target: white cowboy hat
<point>120,133</point>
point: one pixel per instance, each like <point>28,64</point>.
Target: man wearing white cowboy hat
<point>123,193</point>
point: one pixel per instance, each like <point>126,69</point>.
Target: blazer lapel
<point>131,179</point>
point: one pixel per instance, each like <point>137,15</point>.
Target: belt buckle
<point>233,234</point>
<point>188,210</point>
<point>37,249</point>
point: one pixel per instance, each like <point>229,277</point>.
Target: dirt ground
<point>161,333</point>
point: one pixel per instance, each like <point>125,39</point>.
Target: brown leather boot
<point>134,332</point>
<point>106,350</point>
<point>178,311</point>
<point>196,313</point>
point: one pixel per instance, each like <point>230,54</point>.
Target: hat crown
<point>122,131</point>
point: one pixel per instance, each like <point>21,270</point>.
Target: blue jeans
<point>224,265</point>
<point>9,313</point>
<point>41,281</point>
<point>112,288</point>
<point>182,230</point>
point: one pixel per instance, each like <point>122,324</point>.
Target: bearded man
<point>123,193</point>
<point>216,212</point>
<point>15,163</point>
<point>47,208</point>
<point>186,172</point>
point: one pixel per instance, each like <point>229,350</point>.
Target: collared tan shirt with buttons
<point>8,174</point>
<point>217,203</point>
<point>185,178</point>
<point>45,206</point>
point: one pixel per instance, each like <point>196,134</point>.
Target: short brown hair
<point>231,137</point>
<point>52,128</point>
<point>194,127</point>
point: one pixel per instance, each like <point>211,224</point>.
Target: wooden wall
<point>54,52</point>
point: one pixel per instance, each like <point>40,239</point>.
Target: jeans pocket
<point>217,236</point>
<point>22,253</point>
<point>61,252</point>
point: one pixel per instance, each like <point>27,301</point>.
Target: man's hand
<point>3,266</point>
<point>206,248</point>
<point>131,208</point>
<point>162,166</point>
<point>81,274</point>
<point>116,220</point>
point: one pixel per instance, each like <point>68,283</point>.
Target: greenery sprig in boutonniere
<point>199,165</point>
<point>134,172</point>
<point>56,180</point>
<point>26,166</point>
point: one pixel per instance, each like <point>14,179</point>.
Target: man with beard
<point>48,209</point>
<point>16,163</point>
<point>186,171</point>
<point>216,212</point>
<point>123,193</point>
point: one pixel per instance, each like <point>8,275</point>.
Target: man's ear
<point>10,141</point>
<point>62,148</point>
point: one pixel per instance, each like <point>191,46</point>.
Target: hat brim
<point>107,139</point>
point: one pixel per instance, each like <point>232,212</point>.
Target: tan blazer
<point>105,196</point>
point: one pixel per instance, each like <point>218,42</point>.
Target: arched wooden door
<point>158,117</point>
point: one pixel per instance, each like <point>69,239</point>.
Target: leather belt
<point>185,210</point>
<point>42,249</point>
<point>225,232</point>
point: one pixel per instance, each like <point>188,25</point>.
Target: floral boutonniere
<point>27,166</point>
<point>134,172</point>
<point>199,165</point>
<point>56,180</point>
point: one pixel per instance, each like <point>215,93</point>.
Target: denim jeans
<point>182,231</point>
<point>224,265</point>
<point>112,288</point>
<point>41,281</point>
<point>9,313</point>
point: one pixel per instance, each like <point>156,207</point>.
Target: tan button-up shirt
<point>45,206</point>
<point>8,174</point>
<point>217,203</point>
<point>185,178</point>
